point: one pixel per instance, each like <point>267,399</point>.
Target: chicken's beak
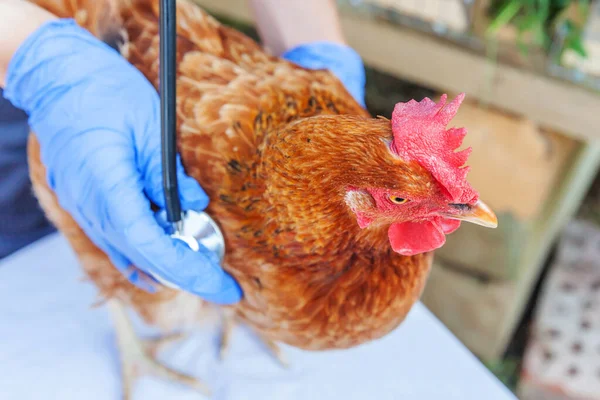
<point>479,214</point>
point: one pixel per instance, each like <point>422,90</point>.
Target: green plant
<point>542,22</point>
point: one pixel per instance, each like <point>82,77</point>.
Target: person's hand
<point>97,121</point>
<point>341,60</point>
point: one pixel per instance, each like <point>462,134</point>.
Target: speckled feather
<point>311,277</point>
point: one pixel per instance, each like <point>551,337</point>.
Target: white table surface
<point>53,346</point>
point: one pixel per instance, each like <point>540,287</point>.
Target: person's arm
<point>283,25</point>
<point>308,33</point>
<point>18,20</point>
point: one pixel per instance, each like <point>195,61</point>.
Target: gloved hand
<point>342,61</point>
<point>97,119</point>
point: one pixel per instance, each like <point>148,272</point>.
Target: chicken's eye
<point>397,200</point>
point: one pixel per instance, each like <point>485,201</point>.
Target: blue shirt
<point>21,219</point>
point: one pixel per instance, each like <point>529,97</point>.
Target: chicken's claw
<point>229,323</point>
<point>154,344</point>
<point>275,351</point>
<point>138,355</point>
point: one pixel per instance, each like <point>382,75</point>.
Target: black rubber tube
<point>168,113</point>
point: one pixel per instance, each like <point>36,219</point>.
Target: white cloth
<point>54,346</point>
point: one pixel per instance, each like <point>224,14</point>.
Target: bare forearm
<point>18,20</point>
<point>286,24</point>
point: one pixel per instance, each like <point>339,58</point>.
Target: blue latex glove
<point>342,61</point>
<point>97,119</point>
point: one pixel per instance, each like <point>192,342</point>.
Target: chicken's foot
<point>154,344</point>
<point>275,350</point>
<point>229,323</point>
<point>138,357</point>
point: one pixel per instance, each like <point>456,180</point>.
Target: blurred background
<point>524,298</point>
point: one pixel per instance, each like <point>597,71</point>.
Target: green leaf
<point>504,16</point>
<point>523,47</point>
<point>576,44</point>
<point>527,22</point>
<point>583,6</point>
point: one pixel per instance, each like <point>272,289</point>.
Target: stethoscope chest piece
<point>195,228</point>
<point>198,228</point>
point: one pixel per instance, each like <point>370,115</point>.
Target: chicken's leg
<point>228,325</point>
<point>275,350</point>
<point>138,358</point>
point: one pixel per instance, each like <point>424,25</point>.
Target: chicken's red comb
<point>420,135</point>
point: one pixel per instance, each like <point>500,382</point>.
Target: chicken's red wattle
<point>412,238</point>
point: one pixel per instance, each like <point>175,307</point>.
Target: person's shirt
<point>21,219</point>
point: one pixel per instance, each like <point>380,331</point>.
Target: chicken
<point>330,216</point>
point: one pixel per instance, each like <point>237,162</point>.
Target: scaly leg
<point>229,323</point>
<point>275,350</point>
<point>137,357</point>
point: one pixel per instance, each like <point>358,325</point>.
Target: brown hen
<point>299,178</point>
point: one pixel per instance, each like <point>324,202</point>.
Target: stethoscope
<point>191,227</point>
